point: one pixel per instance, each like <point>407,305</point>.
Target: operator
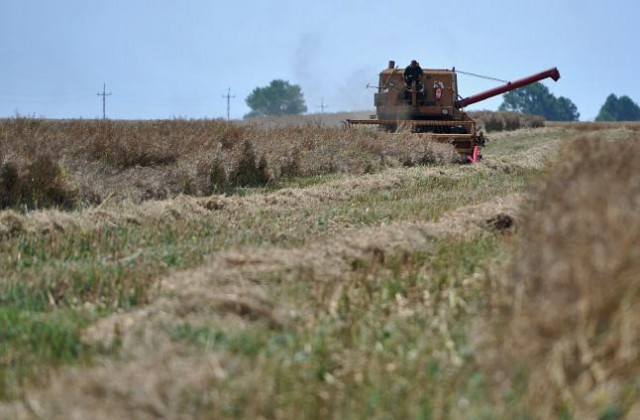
<point>413,72</point>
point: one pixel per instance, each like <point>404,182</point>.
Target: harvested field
<point>375,277</point>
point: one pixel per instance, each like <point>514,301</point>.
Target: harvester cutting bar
<point>469,126</point>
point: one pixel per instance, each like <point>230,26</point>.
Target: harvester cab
<point>431,104</point>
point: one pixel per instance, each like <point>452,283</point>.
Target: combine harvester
<point>431,104</point>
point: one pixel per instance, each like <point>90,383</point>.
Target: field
<point>205,269</point>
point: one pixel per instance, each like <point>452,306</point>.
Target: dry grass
<point>349,295</point>
<point>288,332</point>
<point>87,161</point>
<point>506,121</point>
<point>39,184</point>
<point>569,303</point>
<point>307,299</point>
<point>596,126</point>
<point>329,119</point>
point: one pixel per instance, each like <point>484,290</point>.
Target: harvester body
<point>432,105</point>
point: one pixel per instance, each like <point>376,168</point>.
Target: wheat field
<point>295,269</point>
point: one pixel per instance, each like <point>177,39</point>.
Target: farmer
<point>413,72</point>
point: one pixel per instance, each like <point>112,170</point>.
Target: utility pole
<point>322,106</point>
<point>228,97</point>
<point>104,95</point>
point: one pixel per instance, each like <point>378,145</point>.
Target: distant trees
<point>536,99</point>
<point>619,109</point>
<point>279,98</point>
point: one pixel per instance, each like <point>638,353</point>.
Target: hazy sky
<point>164,59</point>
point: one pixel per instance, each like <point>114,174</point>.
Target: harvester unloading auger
<point>431,104</point>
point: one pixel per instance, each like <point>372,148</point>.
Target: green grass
<point>34,338</point>
<point>118,268</point>
<point>518,142</point>
<point>363,357</point>
<point>371,353</point>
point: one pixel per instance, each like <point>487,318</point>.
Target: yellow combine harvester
<point>428,102</point>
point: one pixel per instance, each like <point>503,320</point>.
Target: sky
<point>178,59</point>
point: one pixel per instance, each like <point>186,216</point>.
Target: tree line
<point>283,98</point>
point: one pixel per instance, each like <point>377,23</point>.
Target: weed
<point>40,184</point>
<point>218,178</point>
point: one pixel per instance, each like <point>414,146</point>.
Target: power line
<point>104,95</point>
<point>228,98</point>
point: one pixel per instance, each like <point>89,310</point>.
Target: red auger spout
<point>553,73</point>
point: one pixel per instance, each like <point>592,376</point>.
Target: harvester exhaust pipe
<point>392,64</point>
<point>553,73</point>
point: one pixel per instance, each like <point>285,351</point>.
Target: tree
<point>279,98</point>
<point>619,109</point>
<point>536,99</point>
